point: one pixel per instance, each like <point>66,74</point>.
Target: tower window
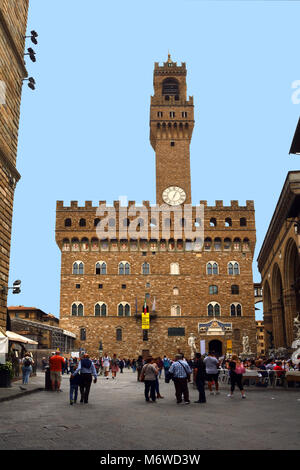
<point>172,143</point>
<point>68,223</point>
<point>243,222</point>
<point>184,114</point>
<point>82,223</point>
<point>159,114</point>
<point>172,114</point>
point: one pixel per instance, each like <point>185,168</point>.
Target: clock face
<point>174,196</point>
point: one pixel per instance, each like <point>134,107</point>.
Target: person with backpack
<point>236,371</point>
<point>27,363</point>
<point>166,365</point>
<point>87,369</point>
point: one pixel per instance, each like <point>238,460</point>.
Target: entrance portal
<point>216,346</point>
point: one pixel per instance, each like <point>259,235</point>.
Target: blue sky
<point>84,131</point>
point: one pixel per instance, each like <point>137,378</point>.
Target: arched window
<point>82,223</point>
<point>77,309</point>
<point>243,222</point>
<point>233,268</point>
<point>124,309</point>
<point>100,309</point>
<point>213,309</point>
<point>78,267</point>
<point>228,222</point>
<point>119,334</point>
<point>235,310</point>
<point>68,223</point>
<point>212,268</point>
<point>101,267</point>
<point>124,268</point>
<point>213,222</point>
<point>175,291</point>
<point>174,268</point>
<point>146,268</point>
<point>96,222</point>
<point>175,310</point>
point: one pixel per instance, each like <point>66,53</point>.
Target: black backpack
<point>27,363</point>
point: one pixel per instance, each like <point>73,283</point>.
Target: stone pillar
<point>277,325</point>
<point>290,310</point>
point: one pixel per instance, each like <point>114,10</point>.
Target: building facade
<point>13,22</point>
<point>191,265</point>
<point>279,265</point>
<point>42,327</point>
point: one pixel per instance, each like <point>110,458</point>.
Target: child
<point>74,383</point>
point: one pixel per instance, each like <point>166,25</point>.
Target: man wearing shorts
<point>56,363</point>
<point>212,371</point>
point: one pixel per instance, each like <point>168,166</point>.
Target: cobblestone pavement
<point>117,417</point>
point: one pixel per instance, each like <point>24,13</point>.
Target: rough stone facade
<point>279,265</point>
<point>13,21</point>
<point>176,279</point>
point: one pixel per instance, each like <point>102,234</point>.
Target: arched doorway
<point>292,271</point>
<point>216,346</point>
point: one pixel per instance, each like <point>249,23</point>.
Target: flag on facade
<point>145,306</point>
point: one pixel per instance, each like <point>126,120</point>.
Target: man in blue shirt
<point>181,371</point>
<point>86,369</point>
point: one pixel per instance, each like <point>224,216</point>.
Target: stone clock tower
<point>171,128</point>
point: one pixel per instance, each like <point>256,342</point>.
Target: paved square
<point>117,417</point>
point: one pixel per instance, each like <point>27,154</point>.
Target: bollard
<point>47,378</point>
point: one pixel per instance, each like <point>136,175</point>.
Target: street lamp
<point>16,288</point>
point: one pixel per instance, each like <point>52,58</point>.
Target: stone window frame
<point>174,310</point>
<point>77,303</point>
<point>175,291</point>
<point>213,304</point>
<point>82,334</point>
<point>212,263</point>
<point>78,262</point>
<point>174,267</point>
<point>125,264</point>
<point>236,304</point>
<point>235,287</point>
<point>124,303</point>
<point>146,265</point>
<point>233,263</point>
<point>119,329</point>
<point>100,303</point>
<point>215,291</point>
<point>101,263</point>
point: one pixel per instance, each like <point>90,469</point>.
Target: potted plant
<point>6,374</point>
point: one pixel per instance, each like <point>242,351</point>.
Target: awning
<point>19,339</point>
